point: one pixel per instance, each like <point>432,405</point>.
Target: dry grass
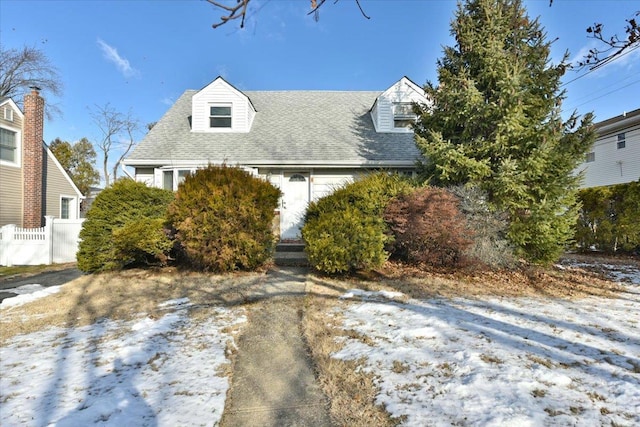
<point>531,281</point>
<point>124,296</point>
<point>351,392</point>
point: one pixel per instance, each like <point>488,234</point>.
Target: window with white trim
<point>591,157</point>
<point>8,145</point>
<point>66,206</point>
<point>622,140</point>
<point>220,116</point>
<point>403,115</point>
<point>167,180</point>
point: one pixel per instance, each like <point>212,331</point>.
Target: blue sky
<point>141,55</point>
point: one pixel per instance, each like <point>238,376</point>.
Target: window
<point>65,207</point>
<point>182,175</point>
<point>296,177</point>
<point>8,146</point>
<point>8,114</point>
<point>621,141</point>
<point>591,157</point>
<point>220,116</point>
<point>167,180</point>
<point>403,115</point>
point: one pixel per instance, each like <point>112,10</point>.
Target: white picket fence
<point>56,242</point>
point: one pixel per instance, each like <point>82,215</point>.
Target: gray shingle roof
<point>305,127</point>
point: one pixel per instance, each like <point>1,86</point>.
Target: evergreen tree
<point>495,123</point>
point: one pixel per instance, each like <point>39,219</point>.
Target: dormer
<point>221,108</point>
<point>393,109</point>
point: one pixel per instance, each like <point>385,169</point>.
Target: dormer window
<point>220,116</point>
<point>403,115</point>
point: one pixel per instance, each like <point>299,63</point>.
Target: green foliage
<point>345,240</point>
<point>428,228</point>
<point>78,161</point>
<point>124,226</point>
<point>223,218</point>
<point>490,246</point>
<point>344,231</point>
<point>495,123</point>
<point>609,218</point>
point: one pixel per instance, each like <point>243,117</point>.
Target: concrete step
<point>290,254</point>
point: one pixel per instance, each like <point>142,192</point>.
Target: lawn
<point>560,347</point>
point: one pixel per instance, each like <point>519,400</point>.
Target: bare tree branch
<point>23,68</point>
<point>616,46</point>
<point>113,124</point>
<point>237,9</point>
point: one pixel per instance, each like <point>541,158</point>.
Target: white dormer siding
<point>392,109</point>
<point>220,108</point>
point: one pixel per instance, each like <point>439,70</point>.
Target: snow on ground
<point>501,361</point>
<point>145,372</point>
<point>28,293</point>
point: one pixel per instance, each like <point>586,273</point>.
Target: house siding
<point>16,124</point>
<point>10,195</point>
<point>220,92</point>
<point>613,165</point>
<point>11,175</point>
<point>58,186</point>
<point>402,91</point>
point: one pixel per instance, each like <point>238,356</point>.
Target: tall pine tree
<point>495,123</point>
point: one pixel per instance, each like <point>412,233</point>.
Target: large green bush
<point>609,218</point>
<point>124,226</point>
<point>428,228</point>
<point>223,219</point>
<point>344,231</point>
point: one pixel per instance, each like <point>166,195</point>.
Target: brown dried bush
<point>428,228</point>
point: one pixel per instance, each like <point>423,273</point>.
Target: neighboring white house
<point>304,142</point>
<point>615,156</point>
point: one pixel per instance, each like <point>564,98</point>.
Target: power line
<point>602,96</point>
<point>592,70</point>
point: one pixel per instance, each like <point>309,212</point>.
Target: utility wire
<point>592,70</point>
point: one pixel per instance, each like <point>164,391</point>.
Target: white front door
<point>295,198</point>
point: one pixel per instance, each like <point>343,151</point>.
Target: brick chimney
<point>32,158</point>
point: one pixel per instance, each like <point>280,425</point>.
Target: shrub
<point>344,231</point>
<point>428,228</point>
<point>125,226</point>
<point>223,217</point>
<point>345,240</point>
<point>489,229</point>
<point>608,219</point>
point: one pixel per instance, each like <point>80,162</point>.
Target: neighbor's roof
<point>290,127</point>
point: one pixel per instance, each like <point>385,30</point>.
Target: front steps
<point>291,254</point>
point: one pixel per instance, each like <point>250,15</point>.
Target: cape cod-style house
<point>307,143</point>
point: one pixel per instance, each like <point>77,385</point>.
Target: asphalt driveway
<point>49,278</point>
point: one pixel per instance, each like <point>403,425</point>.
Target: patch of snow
<point>28,293</point>
<point>373,296</point>
<point>501,361</point>
<point>146,372</point>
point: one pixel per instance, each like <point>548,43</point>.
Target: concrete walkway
<point>273,381</point>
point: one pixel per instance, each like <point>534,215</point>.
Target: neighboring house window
<point>8,145</point>
<point>220,116</point>
<point>621,141</point>
<point>66,206</point>
<point>403,115</point>
<point>8,114</point>
<point>591,157</point>
<point>167,180</point>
